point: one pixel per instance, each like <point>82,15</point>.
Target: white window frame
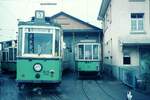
<point>126,53</point>
<point>12,55</point>
<point>6,57</point>
<point>91,44</point>
<point>20,30</point>
<point>136,0</point>
<point>128,57</point>
<point>137,26</point>
<point>25,30</point>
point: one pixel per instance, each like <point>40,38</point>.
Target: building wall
<point>119,25</point>
<point>69,23</point>
<point>134,53</point>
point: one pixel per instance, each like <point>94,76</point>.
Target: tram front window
<point>88,52</point>
<point>95,51</point>
<point>38,43</point>
<point>81,54</point>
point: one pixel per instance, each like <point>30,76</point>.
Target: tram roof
<point>39,23</point>
<point>7,41</point>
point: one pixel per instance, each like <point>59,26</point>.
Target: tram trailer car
<point>8,58</point>
<point>87,57</point>
<point>39,60</point>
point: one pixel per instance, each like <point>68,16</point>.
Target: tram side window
<point>15,53</point>
<point>88,52</point>
<point>5,56</point>
<point>57,42</point>
<point>7,44</point>
<point>95,51</point>
<point>12,54</point>
<point>81,52</point>
<point>10,58</point>
<point>20,42</point>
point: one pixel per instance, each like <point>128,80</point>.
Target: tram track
<point>83,90</point>
<point>56,97</point>
<point>104,91</point>
<point>76,78</point>
<point>81,84</point>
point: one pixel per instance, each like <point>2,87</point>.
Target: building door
<point>145,60</point>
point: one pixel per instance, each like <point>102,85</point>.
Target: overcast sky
<point>11,10</point>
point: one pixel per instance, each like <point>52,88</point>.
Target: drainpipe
<point>101,42</point>
<point>149,12</point>
<point>73,49</point>
<point>111,50</point>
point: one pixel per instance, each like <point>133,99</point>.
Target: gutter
<point>103,9</point>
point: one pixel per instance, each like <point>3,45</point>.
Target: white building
<point>126,42</point>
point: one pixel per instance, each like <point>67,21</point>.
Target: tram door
<point>69,61</point>
<point>145,60</point>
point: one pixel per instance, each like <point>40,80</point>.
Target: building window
<point>126,56</point>
<point>126,60</point>
<point>136,0</point>
<point>137,22</point>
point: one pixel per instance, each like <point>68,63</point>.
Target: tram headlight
<point>37,67</point>
<point>52,72</point>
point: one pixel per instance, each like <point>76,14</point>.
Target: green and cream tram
<point>39,58</point>
<point>88,57</point>
<point>8,55</point>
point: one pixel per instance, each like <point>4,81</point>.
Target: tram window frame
<point>97,52</point>
<point>50,31</point>
<point>88,55</point>
<point>10,54</point>
<point>13,54</point>
<point>83,53</point>
<point>6,56</point>
<point>20,42</point>
<point>57,42</point>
